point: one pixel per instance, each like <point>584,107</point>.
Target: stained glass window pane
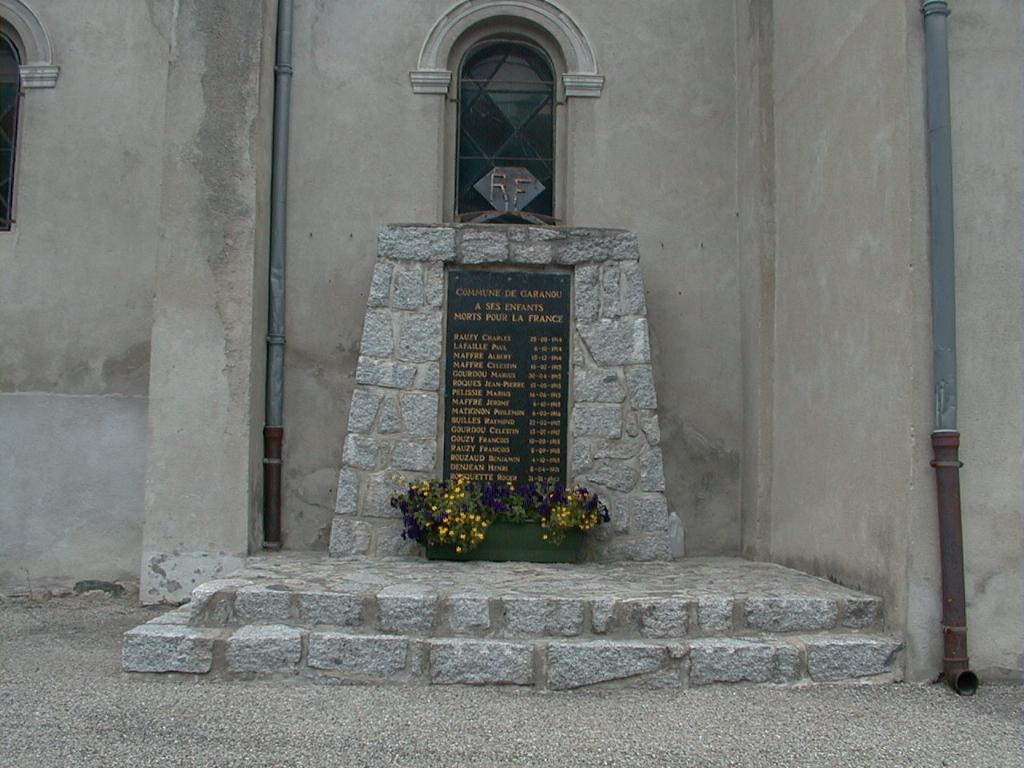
<point>10,84</point>
<point>506,118</point>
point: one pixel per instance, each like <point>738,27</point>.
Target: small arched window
<point>506,120</point>
<point>10,91</point>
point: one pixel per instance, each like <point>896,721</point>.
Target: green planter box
<point>515,542</point>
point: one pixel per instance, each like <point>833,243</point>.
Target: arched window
<point>10,94</point>
<point>506,121</point>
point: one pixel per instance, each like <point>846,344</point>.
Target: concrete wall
<point>206,391</point>
<point>843,443</point>
<point>76,282</point>
<point>755,191</point>
<point>987,82</point>
<point>851,493</point>
<point>654,154</point>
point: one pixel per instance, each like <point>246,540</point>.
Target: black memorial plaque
<point>506,375</point>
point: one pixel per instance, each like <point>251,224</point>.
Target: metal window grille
<point>506,117</point>
<point>10,96</point>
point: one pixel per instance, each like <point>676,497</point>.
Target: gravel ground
<point>65,702</point>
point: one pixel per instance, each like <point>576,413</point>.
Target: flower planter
<point>515,542</point>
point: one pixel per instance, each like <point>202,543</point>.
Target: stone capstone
<point>573,665</point>
<point>597,420</point>
<point>543,615</point>
<point>597,385</point>
<point>581,457</point>
<point>264,648</point>
<point>263,602</point>
<point>363,412</point>
<point>378,335</point>
<point>831,658</point>
<point>349,537</point>
<point>610,306</point>
<point>419,413</point>
<point>384,373</point>
<point>390,417</point>
<point>167,648</point>
<point>412,243</point>
<point>468,612</point>
<point>612,474</point>
<point>373,656</point>
<point>380,284</point>
<point>414,455</point>
<point>419,336</point>
<point>338,609</point>
<point>862,612</point>
<point>389,542</point>
<point>480,662</point>
<point>406,608</point>
<point>649,512</point>
<point>652,470</point>
<point>640,380</point>
<point>651,429</point>
<point>586,287</point>
<point>728,660</point>
<point>346,500</point>
<point>660,617</point>
<point>714,614</point>
<point>408,288</point>
<point>428,377</point>
<point>633,301</point>
<point>791,614</point>
<point>207,600</point>
<point>483,246</point>
<point>378,500</point>
<point>602,614</point>
<point>642,548</point>
<point>617,342</point>
<point>361,452</point>
<point>433,284</point>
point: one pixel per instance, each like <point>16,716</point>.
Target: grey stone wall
<point>394,432</point>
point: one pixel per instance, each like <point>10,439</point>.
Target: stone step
<point>278,650</point>
<point>690,622</point>
<point>719,597</point>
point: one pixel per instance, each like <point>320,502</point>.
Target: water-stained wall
<point>76,289</point>
<point>851,492</point>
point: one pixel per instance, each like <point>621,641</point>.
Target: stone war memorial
<point>506,353</point>
<point>511,354</point>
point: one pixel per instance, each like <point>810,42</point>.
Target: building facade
<point>770,155</point>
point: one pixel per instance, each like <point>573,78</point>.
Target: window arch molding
<point>579,78</point>
<point>27,32</point>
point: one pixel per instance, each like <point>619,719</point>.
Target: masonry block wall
<point>394,426</point>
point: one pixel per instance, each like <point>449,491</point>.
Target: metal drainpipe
<point>945,437</point>
<point>273,429</point>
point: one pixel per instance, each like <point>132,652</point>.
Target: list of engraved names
<point>506,375</point>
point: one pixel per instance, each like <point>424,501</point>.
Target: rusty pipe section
<point>955,664</point>
<point>945,437</point>
<point>273,439</point>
